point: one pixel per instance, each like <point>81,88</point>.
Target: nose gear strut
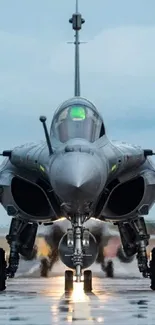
<point>78,250</point>
<point>78,253</point>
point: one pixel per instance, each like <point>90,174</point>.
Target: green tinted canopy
<point>78,112</point>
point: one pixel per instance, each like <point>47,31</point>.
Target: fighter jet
<point>77,173</point>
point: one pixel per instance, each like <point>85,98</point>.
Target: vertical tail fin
<point>77,22</point>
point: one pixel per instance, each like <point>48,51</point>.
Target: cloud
<point>117,51</point>
<point>117,72</point>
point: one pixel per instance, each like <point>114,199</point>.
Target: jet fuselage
<point>79,176</point>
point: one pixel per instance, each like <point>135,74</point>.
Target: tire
<point>109,269</point>
<point>2,270</point>
<point>44,268</point>
<point>152,270</point>
<point>87,281</point>
<point>103,267</point>
<point>68,281</point>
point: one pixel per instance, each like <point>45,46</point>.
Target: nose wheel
<point>68,281</point>
<point>87,281</point>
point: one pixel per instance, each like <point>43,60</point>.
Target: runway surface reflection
<point>34,301</point>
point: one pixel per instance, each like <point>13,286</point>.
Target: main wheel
<point>152,269</point>
<point>109,269</point>
<point>88,281</point>
<point>68,281</point>
<point>44,267</point>
<point>2,270</point>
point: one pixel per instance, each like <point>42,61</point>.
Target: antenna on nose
<point>77,22</point>
<point>43,121</point>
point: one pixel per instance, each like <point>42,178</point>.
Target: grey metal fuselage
<point>105,179</point>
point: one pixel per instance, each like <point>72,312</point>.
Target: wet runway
<point>34,301</point>
<point>29,300</point>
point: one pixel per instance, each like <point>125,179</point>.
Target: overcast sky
<point>117,67</point>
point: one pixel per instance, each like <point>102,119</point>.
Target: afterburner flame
<point>43,248</point>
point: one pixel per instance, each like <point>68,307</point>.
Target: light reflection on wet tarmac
<point>42,302</point>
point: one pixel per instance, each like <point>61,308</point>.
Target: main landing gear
<point>78,250</point>
<point>135,239</point>
<point>2,270</point>
<point>106,267</point>
<point>21,240</point>
<point>48,262</point>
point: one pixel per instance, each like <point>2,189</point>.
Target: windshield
<point>77,121</point>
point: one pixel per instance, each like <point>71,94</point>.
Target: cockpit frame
<point>77,118</point>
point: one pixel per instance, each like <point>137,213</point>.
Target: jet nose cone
<point>76,177</point>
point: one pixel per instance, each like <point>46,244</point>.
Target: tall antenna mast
<point>77,22</point>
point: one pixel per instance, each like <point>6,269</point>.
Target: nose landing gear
<point>78,250</point>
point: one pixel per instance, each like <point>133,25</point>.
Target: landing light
<point>78,294</point>
<point>100,320</point>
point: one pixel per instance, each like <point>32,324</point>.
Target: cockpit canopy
<point>77,119</point>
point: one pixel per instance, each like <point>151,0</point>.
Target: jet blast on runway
<point>108,241</point>
<point>77,173</point>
